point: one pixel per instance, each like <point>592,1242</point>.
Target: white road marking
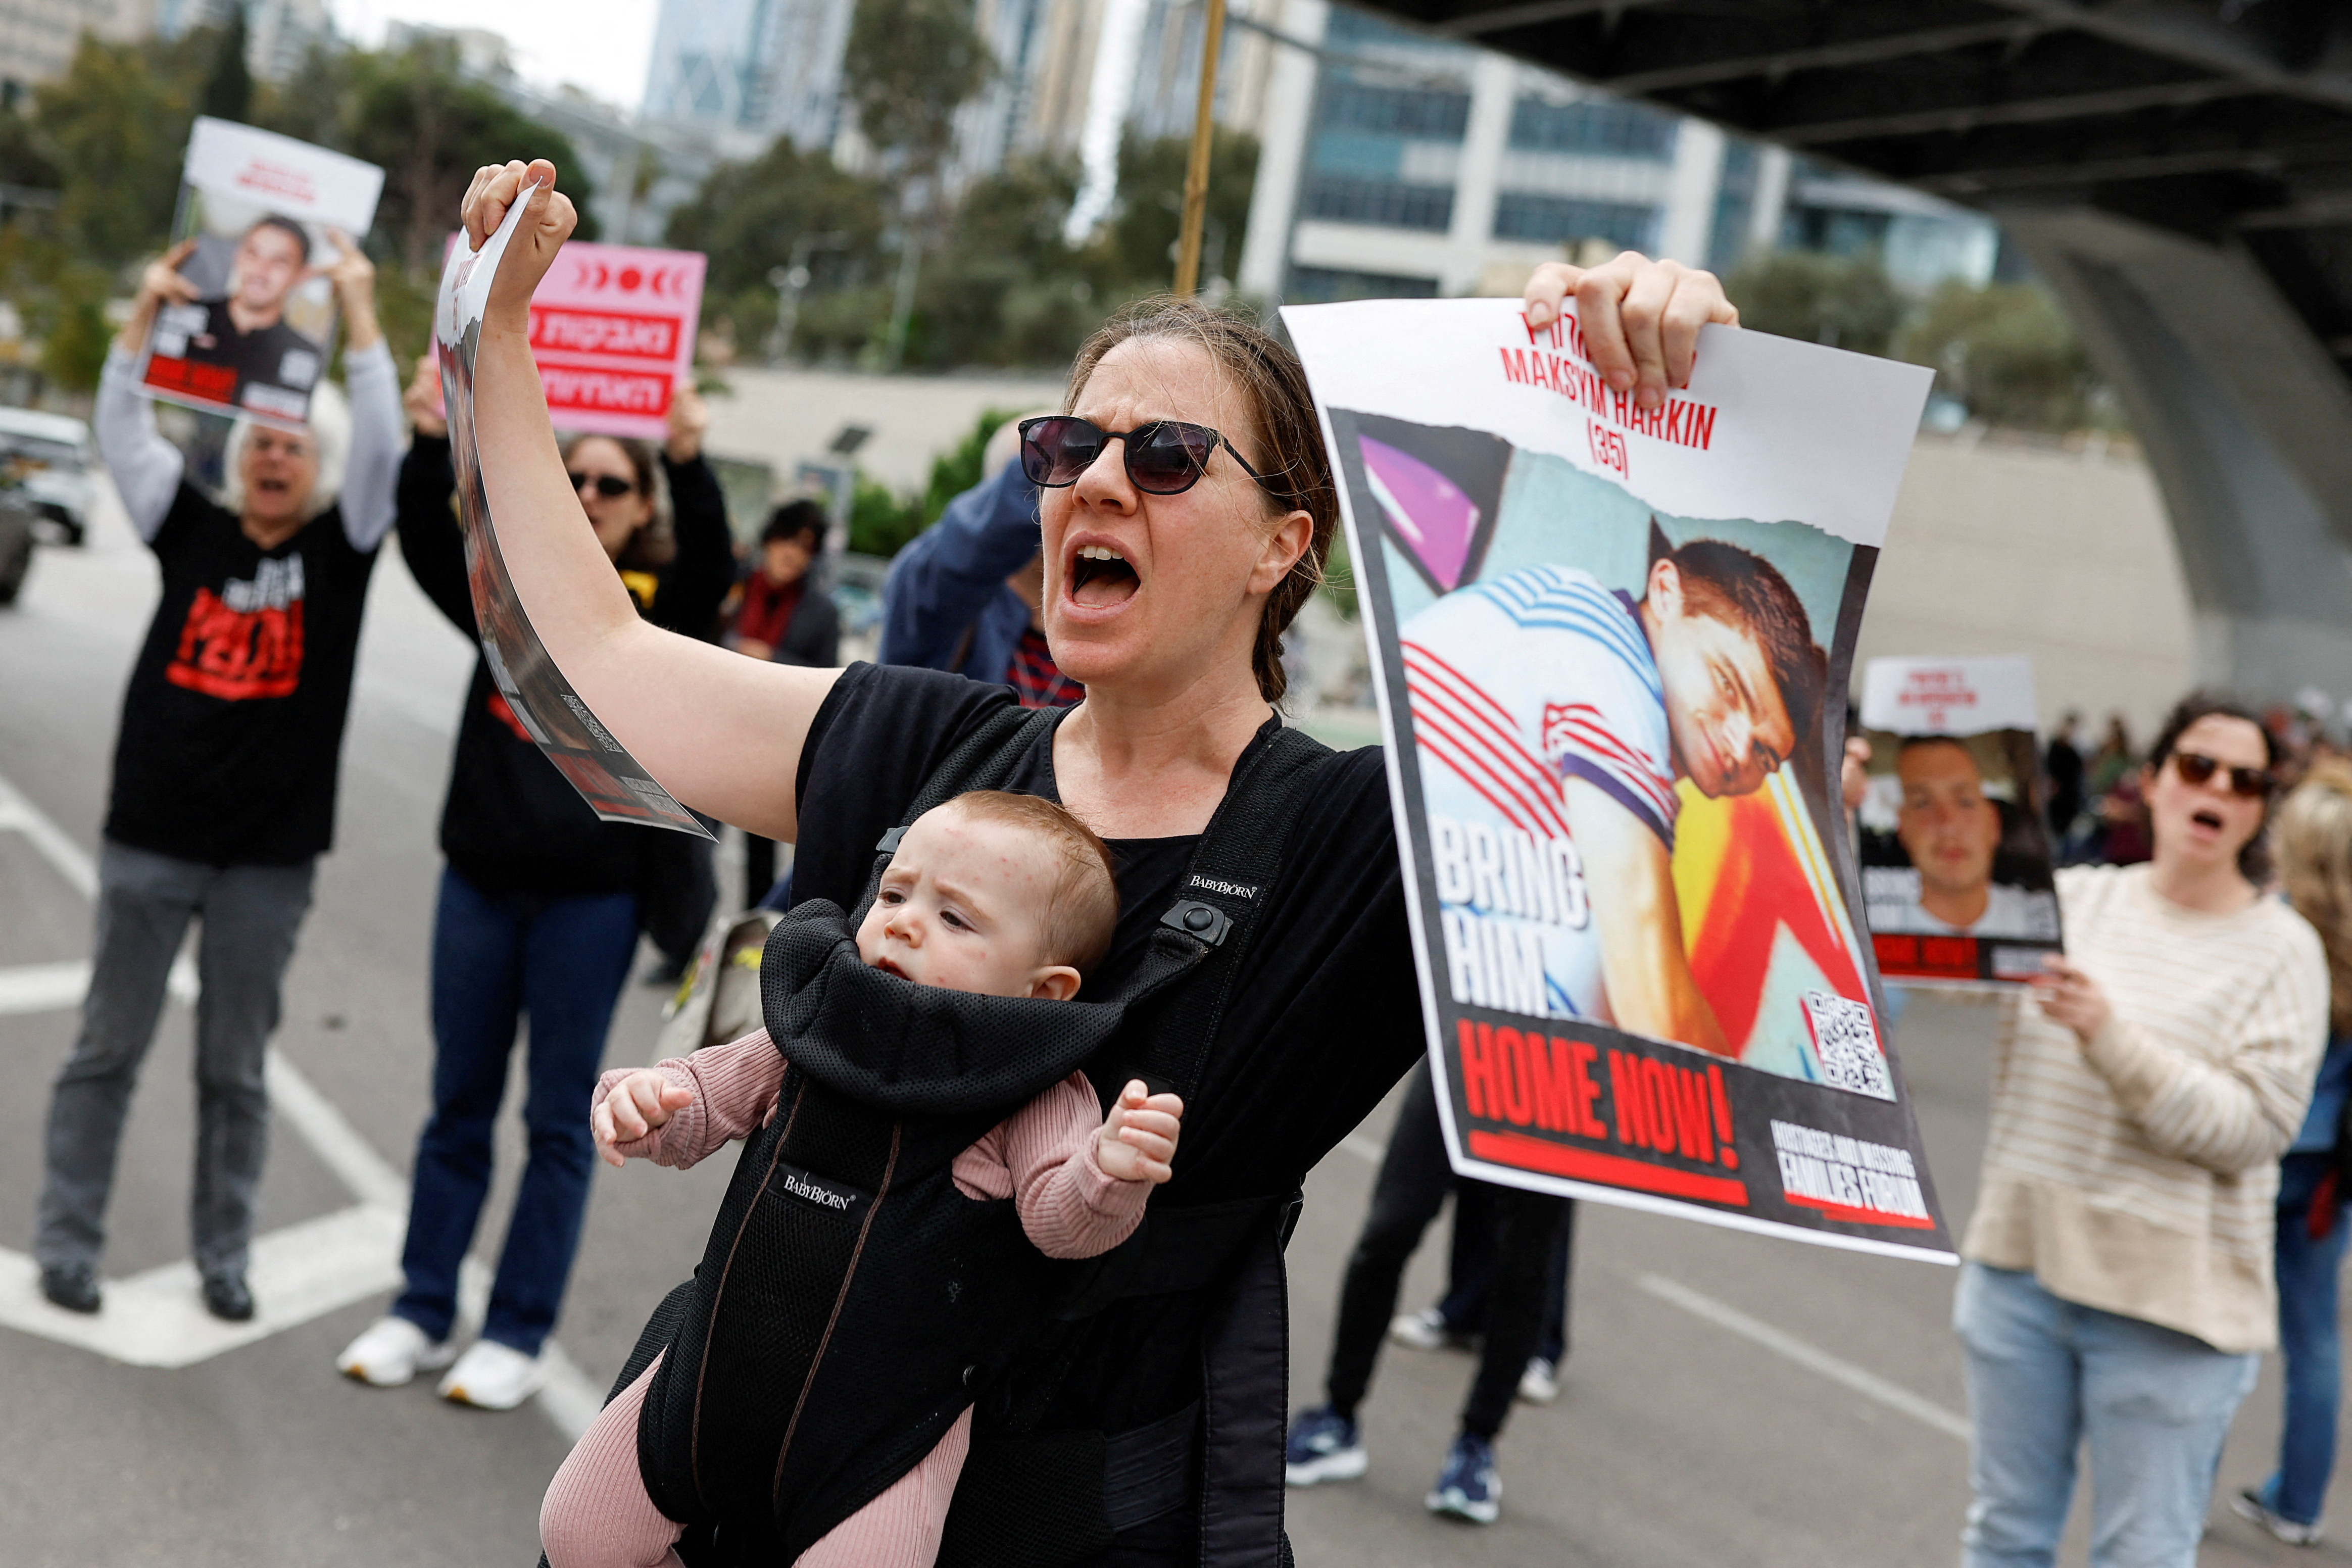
<point>158,1318</point>
<point>1363,1148</point>
<point>42,987</point>
<point>1869,1384</point>
<point>301,1272</point>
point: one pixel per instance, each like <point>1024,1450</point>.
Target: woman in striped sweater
<point>2118,1288</point>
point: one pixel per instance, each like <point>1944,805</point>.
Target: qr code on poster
<point>1847,1043</point>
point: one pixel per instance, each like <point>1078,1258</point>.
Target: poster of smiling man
<point>262,218</point>
<point>1610,647</point>
<point>1955,861</point>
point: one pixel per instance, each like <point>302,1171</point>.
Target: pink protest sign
<point>612,327</point>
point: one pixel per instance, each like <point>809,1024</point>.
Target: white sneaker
<point>391,1351</point>
<point>1540,1385</point>
<point>492,1376</point>
<point>1425,1331</point>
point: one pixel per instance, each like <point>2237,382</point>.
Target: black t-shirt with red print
<point>233,724</point>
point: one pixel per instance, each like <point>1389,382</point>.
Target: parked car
<point>49,457</point>
<point>17,520</point>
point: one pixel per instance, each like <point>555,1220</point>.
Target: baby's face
<point>963,905</point>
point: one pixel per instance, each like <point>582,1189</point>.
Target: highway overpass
<point>2179,171</point>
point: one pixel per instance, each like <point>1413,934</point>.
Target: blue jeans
<point>562,960</point>
<point>2045,1377</point>
<point>2307,1333</point>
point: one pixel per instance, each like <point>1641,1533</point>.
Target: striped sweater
<point>2137,1172</point>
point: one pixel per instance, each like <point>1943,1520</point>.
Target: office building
<point>37,37</point>
<point>1400,164</point>
<point>745,72</point>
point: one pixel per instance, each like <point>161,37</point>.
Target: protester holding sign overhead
<point>2117,1292</point>
<point>538,912</point>
<point>224,773</point>
<point>1186,506</point>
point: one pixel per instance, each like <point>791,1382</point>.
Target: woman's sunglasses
<point>1165,458</point>
<point>2196,768</point>
<point>610,486</point>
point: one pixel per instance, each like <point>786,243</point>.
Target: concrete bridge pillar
<point>2247,422</point>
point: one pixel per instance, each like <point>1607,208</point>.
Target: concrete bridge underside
<point>2179,171</point>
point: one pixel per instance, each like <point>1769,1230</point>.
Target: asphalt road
<point>1728,1398</point>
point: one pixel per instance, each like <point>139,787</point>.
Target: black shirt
<point>233,723</point>
<point>272,356</point>
<point>511,823</point>
<point>1325,1013</point>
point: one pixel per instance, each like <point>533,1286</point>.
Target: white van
<point>47,459</point>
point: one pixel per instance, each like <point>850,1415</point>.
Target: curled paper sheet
<point>614,785</point>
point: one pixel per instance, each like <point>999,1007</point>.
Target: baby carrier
<point>852,1302</point>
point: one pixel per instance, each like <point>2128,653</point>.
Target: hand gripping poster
<point>1611,650</point>
<point>614,785</point>
<point>1955,878</point>
<point>261,219</point>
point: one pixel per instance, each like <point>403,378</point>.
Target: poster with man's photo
<point>1611,649</point>
<point>261,218</point>
<point>1956,878</point>
<point>615,785</point>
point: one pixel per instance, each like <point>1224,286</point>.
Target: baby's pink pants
<point>597,1514</point>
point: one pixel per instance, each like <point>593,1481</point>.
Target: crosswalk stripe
<point>297,1273</point>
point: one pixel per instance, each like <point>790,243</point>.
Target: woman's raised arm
<point>721,732</point>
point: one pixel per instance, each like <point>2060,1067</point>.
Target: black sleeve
<point>429,538</point>
<point>695,584</point>
<point>1326,1012</point>
<point>814,636</point>
<point>880,733</point>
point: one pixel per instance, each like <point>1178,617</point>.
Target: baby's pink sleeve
<point>734,1088</point>
<point>1042,1157</point>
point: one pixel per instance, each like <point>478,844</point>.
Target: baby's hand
<point>1138,1138</point>
<point>638,1103</point>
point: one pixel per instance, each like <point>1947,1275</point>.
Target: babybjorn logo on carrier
<point>1230,890</point>
<point>809,1188</point>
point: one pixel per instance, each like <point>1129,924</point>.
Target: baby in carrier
<point>993,894</point>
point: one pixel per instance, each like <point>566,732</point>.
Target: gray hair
<point>330,430</point>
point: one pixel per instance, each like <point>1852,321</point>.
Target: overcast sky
<point>600,45</point>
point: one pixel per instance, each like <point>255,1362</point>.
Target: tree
<point>881,522</point>
<point>752,217</point>
<point>1845,302</point>
<point>24,161</point>
<point>1141,238</point>
<point>429,126</point>
<point>909,66</point>
<point>1002,288</point>
<point>114,126</point>
<point>228,87</point>
<point>2008,353</point>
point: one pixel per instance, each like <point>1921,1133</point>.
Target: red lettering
<point>1510,1060</point>
<point>235,654</point>
<point>1693,1123</point>
<point>1547,1085</point>
<point>1722,1115</point>
<point>1630,1100</point>
<point>1658,1092</point>
<point>1515,363</point>
<point>1698,426</point>
<point>1583,1055</point>
<point>1478,1088</point>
